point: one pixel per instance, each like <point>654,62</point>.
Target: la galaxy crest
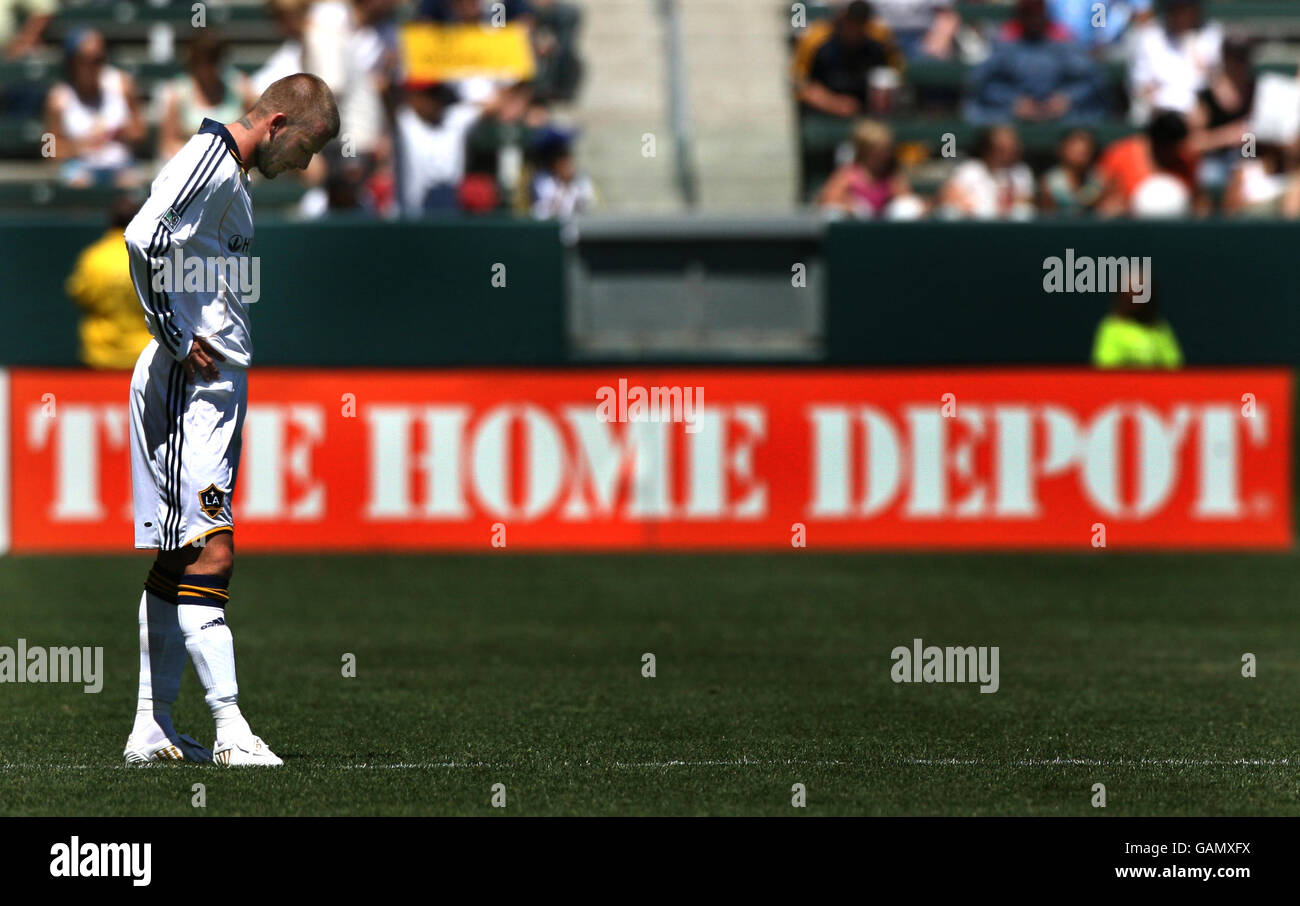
<point>210,500</point>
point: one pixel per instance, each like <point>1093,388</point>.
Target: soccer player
<point>187,412</point>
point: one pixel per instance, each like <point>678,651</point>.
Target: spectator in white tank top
<point>93,116</point>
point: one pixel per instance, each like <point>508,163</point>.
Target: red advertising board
<point>715,459</point>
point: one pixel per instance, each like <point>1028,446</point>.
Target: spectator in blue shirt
<point>1035,74</point>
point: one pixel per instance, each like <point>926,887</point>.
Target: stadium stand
<point>148,42</point>
<point>926,118</point>
<point>607,75</point>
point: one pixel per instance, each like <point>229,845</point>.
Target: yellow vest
<point>1121,343</point>
<point>113,330</point>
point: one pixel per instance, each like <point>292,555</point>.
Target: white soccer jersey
<point>186,438</point>
<point>186,433</point>
<point>198,208</point>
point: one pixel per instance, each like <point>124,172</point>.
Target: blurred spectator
<point>922,28</point>
<point>93,115</point>
<point>1134,335</point>
<point>1164,196</point>
<point>995,184</point>
<point>353,185</point>
<point>558,190</point>
<point>555,45</point>
<point>112,330</point>
<point>1071,187</point>
<point>869,184</point>
<point>361,174</point>
<point>327,33</point>
<point>478,194</point>
<point>345,185</point>
<point>496,144</point>
<point>290,18</point>
<point>1098,25</point>
<point>431,128</point>
<point>316,35</point>
<point>1218,122</point>
<point>210,89</point>
<point>1264,186</point>
<point>19,41</point>
<point>355,48</point>
<point>843,68</point>
<point>1172,60</point>
<point>1036,73</point>
<point>371,63</point>
<point>1162,150</point>
<point>322,37</point>
<point>21,37</point>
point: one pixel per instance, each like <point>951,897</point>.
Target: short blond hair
<point>305,99</point>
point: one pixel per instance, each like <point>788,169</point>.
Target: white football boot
<point>247,751</point>
<point>178,747</point>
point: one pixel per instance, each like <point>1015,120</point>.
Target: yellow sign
<point>442,53</point>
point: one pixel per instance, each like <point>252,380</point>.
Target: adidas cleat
<point>248,751</point>
<point>178,748</point>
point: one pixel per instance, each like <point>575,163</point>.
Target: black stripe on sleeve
<point>159,305</point>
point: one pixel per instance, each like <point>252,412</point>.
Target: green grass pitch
<point>526,670</point>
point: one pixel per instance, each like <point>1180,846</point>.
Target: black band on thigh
<point>161,582</point>
<point>196,589</point>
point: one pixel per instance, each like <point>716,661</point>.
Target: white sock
<point>212,649</point>
<point>162,660</point>
<point>230,723</point>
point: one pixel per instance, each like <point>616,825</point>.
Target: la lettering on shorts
<point>185,445</point>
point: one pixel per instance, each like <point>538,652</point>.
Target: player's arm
<point>195,198</point>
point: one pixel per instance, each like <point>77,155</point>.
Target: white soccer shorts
<point>185,443</point>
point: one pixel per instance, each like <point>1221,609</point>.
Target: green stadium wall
<point>949,293</point>
<point>338,293</point>
<point>419,294</point>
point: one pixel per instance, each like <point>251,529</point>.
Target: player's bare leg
<point>202,592</point>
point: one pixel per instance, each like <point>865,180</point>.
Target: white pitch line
<point>418,766</point>
<point>1100,762</point>
<point>744,762</point>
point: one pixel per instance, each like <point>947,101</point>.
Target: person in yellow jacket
<point>1134,335</point>
<point>113,330</point>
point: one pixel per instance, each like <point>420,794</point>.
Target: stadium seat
<point>823,133</point>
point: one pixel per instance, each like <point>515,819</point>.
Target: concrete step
<point>742,121</point>
<point>624,97</point>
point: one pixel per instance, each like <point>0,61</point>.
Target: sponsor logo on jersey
<point>170,219</point>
